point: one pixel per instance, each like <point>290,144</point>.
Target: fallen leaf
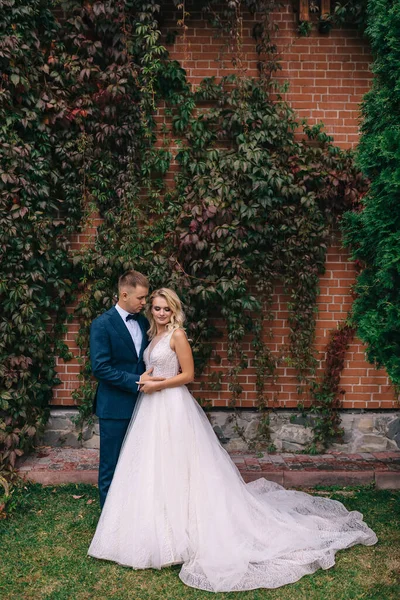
<point>76,497</point>
<point>90,502</point>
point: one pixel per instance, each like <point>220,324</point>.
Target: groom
<point>117,342</point>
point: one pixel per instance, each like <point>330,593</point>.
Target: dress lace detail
<point>177,497</point>
<point>162,358</point>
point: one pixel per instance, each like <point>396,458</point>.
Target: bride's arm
<point>180,344</point>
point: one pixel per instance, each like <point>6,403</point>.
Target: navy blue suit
<point>117,366</point>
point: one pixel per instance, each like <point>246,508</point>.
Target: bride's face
<point>161,311</point>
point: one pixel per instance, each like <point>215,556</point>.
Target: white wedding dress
<point>177,497</point>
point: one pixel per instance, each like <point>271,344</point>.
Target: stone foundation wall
<point>290,432</point>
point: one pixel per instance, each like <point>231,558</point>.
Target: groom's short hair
<point>132,279</point>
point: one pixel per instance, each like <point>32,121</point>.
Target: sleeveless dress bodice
<point>162,358</point>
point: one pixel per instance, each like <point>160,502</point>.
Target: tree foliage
<point>373,230</point>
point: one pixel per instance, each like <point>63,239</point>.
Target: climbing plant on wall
<point>259,205</point>
<point>77,104</point>
<point>36,215</point>
<point>251,202</point>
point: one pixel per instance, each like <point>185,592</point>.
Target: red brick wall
<point>328,75</point>
<point>364,386</point>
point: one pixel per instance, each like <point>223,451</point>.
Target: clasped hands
<point>149,384</point>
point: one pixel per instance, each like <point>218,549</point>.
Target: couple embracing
<point>169,492</point>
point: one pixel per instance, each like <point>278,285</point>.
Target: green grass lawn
<point>43,555</point>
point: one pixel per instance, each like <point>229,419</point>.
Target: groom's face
<point>133,299</point>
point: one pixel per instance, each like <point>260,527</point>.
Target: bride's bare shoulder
<point>178,337</point>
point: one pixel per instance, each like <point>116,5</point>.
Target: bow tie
<point>132,317</point>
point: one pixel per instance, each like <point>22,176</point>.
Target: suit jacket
<point>116,365</point>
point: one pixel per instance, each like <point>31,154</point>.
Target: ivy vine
<point>252,201</point>
<point>259,205</point>
<point>343,12</point>
<point>326,394</point>
<point>36,216</point>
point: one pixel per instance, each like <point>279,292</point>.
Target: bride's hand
<point>151,386</point>
<point>147,376</point>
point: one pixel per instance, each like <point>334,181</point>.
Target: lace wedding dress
<point>177,497</point>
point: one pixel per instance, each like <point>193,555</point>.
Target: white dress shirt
<point>133,328</point>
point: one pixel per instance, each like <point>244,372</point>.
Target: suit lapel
<point>122,330</point>
<point>143,327</point>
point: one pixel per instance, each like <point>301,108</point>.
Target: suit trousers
<point>112,433</point>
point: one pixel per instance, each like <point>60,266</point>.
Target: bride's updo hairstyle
<point>177,314</point>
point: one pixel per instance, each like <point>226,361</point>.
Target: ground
<point>45,539</point>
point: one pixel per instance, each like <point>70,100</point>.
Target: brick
<point>385,404</point>
<point>387,480</point>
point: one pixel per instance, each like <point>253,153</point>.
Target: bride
<point>177,498</point>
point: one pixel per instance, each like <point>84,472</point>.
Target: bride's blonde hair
<point>174,303</point>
